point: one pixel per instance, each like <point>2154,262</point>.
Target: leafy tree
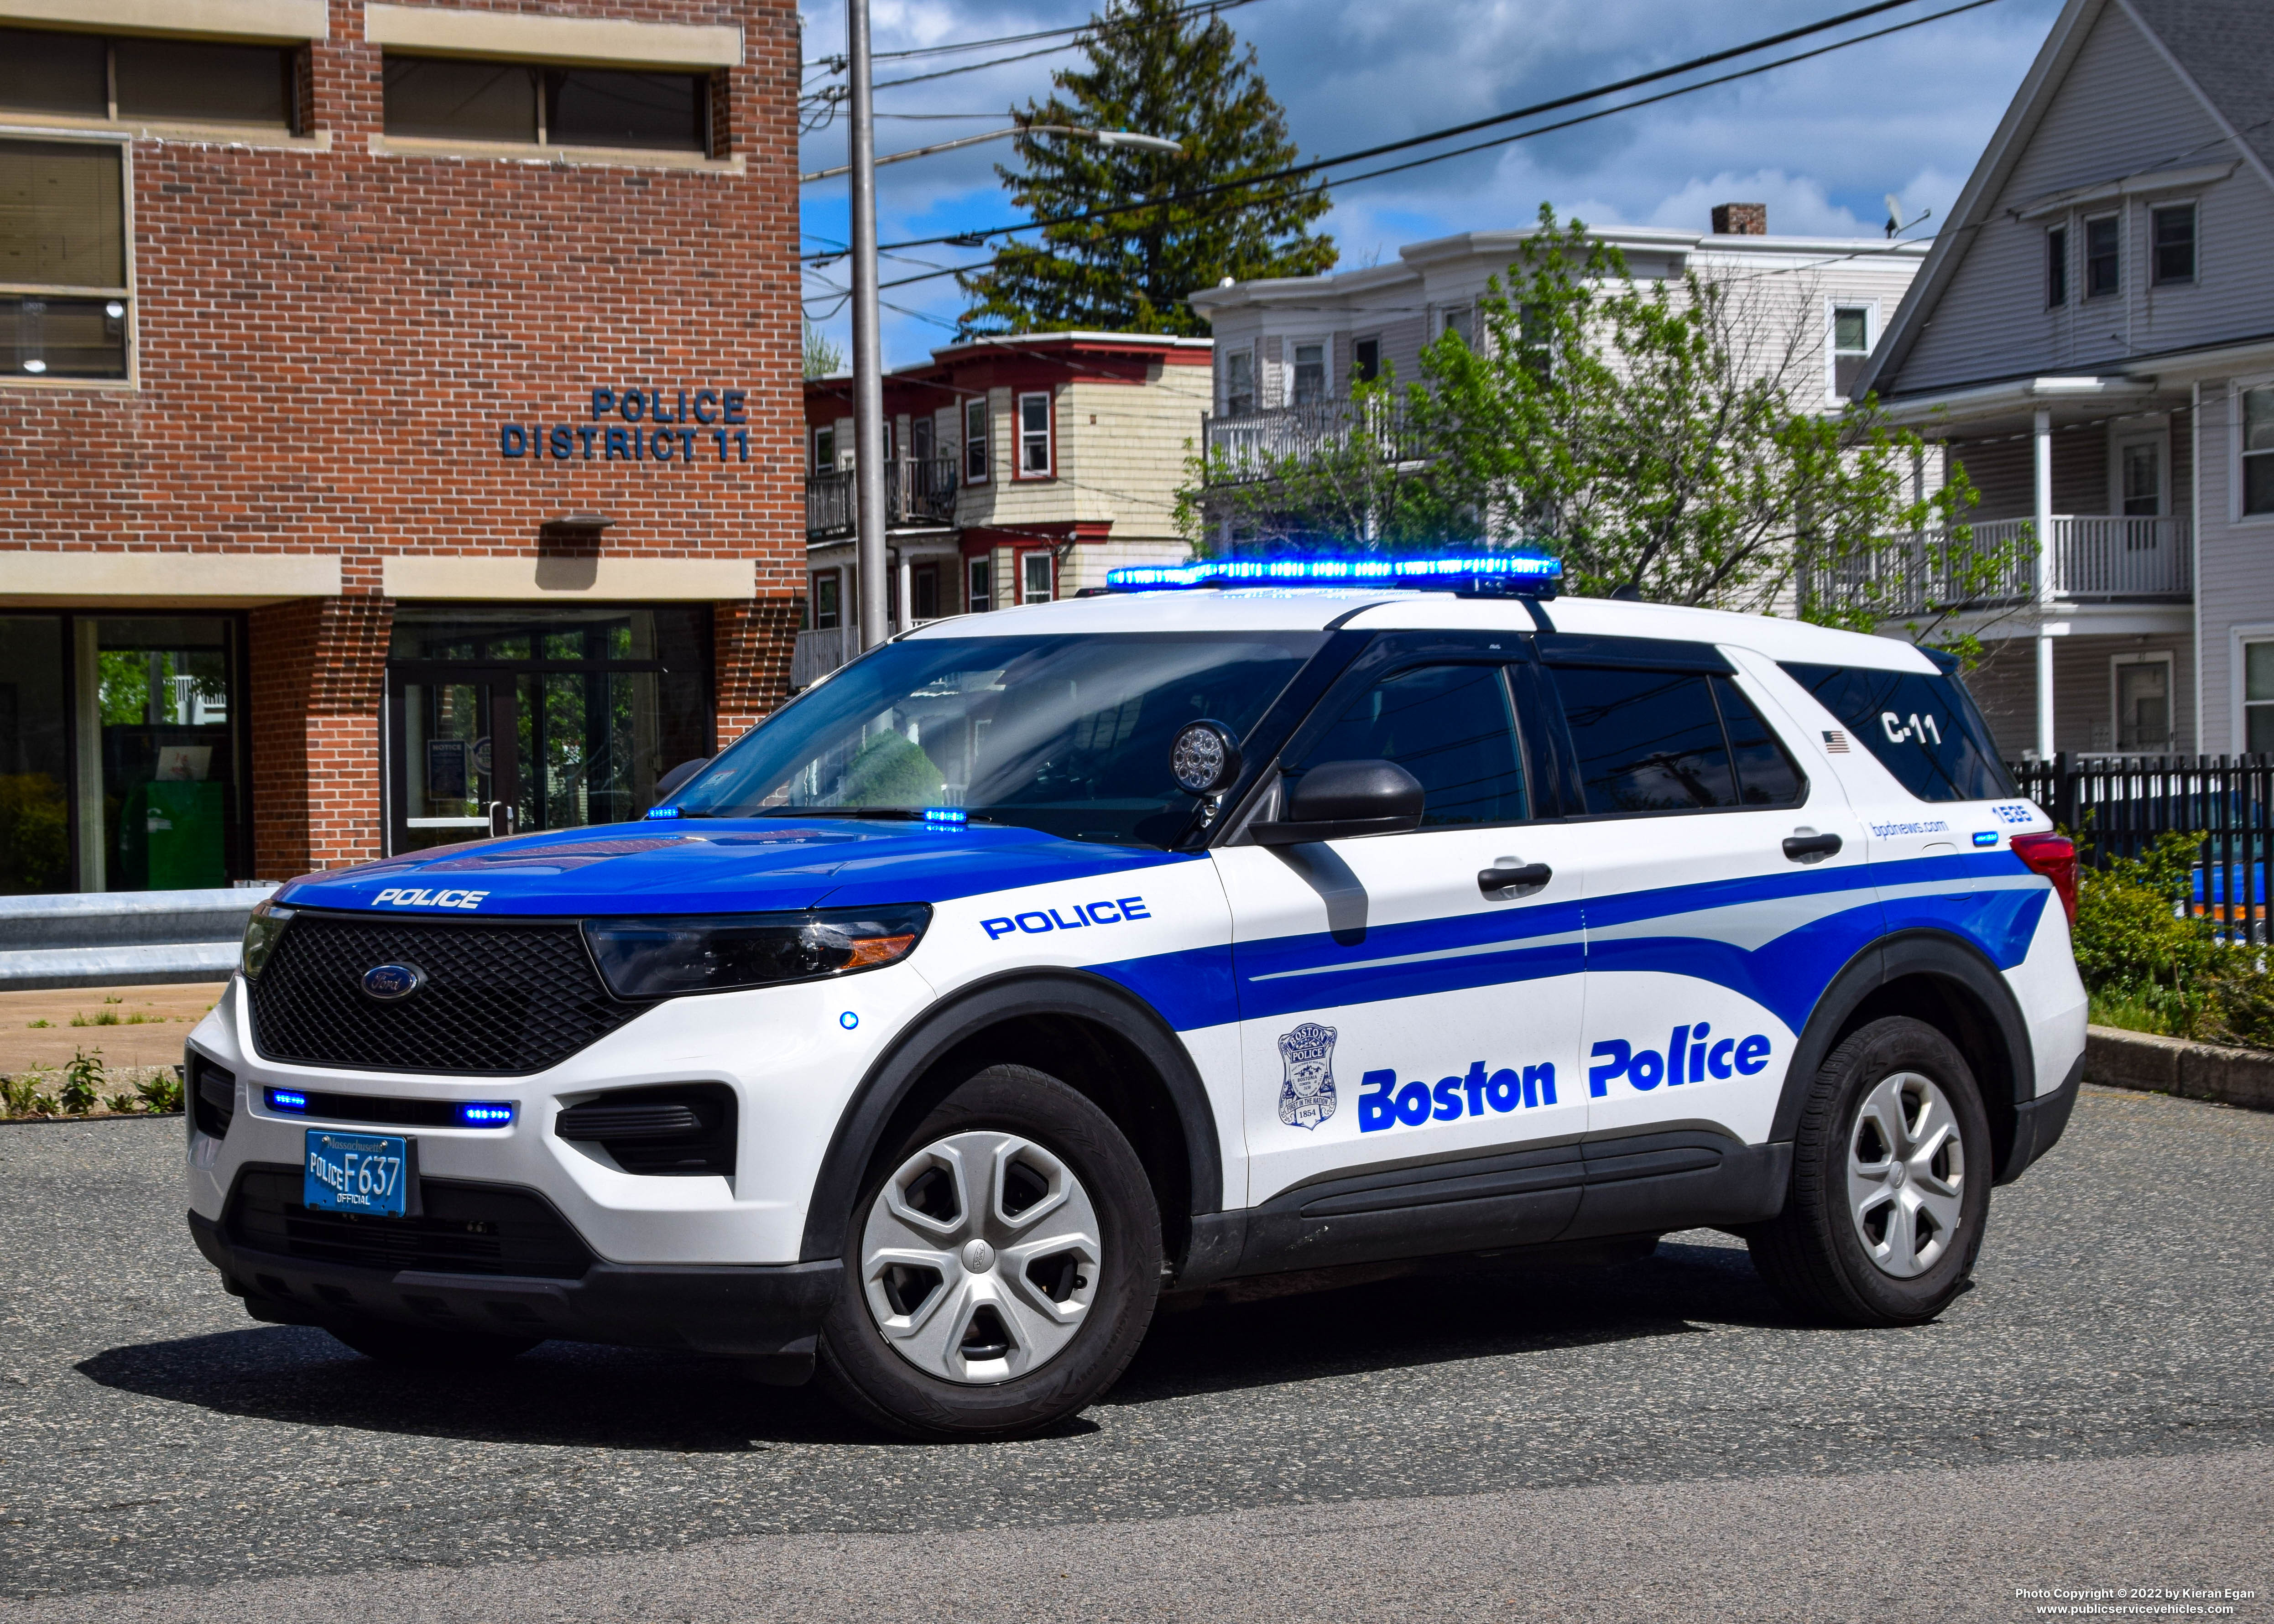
<point>1158,70</point>
<point>823,358</point>
<point>1651,437</point>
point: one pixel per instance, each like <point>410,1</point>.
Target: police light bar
<point>1533,575</point>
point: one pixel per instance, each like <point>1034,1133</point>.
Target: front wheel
<point>1890,1182</point>
<point>1001,1265</point>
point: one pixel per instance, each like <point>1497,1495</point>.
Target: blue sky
<point>1820,142</point>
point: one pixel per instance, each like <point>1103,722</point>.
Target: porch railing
<point>2094,559</point>
<point>819,653</point>
<point>1248,446</point>
<point>919,492</point>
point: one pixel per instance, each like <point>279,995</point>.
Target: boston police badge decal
<point>1306,1098</point>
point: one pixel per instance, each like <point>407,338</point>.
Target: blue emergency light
<point>1532,574</point>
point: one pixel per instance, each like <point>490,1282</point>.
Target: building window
<point>2057,266</point>
<point>975,442</point>
<point>449,99</point>
<point>2258,450</point>
<point>1365,359</point>
<point>920,438</point>
<point>1035,578</point>
<point>1034,436</point>
<point>2140,473</point>
<point>1310,373</point>
<point>1239,383</point>
<point>63,300</point>
<point>178,81</point>
<point>924,591</point>
<point>2104,256</point>
<point>2174,238</point>
<point>827,608</point>
<point>2258,697</point>
<point>1852,345</point>
<point>982,596</point>
<point>825,451</point>
<point>1461,321</point>
<point>2143,702</point>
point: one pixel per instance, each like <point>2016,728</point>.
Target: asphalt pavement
<point>1655,1439</point>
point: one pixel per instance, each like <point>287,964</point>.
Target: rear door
<point>1394,1010</point>
<point>1727,884</point>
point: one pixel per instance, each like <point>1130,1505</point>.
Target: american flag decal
<point>1835,742</point>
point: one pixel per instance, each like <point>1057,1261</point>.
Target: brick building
<point>403,414</point>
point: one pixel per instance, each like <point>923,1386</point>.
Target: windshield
<point>1066,734</point>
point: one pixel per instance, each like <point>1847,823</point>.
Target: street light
<point>868,352</point>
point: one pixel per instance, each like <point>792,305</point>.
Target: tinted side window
<point>1452,728</point>
<point>1766,775</point>
<point>1923,729</point>
<point>1647,741</point>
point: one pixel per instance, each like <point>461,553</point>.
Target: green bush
<point>162,1092</point>
<point>2152,964</point>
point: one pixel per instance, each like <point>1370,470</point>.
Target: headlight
<point>661,957</point>
<point>261,932</point>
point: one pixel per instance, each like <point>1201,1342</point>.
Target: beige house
<point>1019,469</point>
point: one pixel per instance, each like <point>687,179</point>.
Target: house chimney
<point>1741,220</point>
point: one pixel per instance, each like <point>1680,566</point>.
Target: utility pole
<point>868,349</point>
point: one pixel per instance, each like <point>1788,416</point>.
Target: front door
<point>1396,1010</point>
<point>456,751</point>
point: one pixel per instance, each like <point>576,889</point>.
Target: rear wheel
<point>1890,1182</point>
<point>1001,1265</point>
<point>426,1347</point>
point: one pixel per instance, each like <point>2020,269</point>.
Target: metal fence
<point>2119,805</point>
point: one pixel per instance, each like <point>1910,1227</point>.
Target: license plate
<point>357,1173</point>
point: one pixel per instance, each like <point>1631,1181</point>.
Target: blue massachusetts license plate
<point>357,1173</point>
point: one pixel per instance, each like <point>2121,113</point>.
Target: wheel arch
<point>1952,987</point>
<point>1093,1034</point>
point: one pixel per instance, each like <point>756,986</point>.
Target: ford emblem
<point>390,982</point>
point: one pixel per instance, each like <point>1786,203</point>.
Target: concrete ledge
<point>117,966</point>
<point>630,577</point>
<point>2121,1059</point>
<point>460,32</point>
<point>227,20</point>
<point>29,577</point>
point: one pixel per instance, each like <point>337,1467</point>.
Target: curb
<point>2193,1070</point>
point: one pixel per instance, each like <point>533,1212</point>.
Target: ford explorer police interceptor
<point>1248,918</point>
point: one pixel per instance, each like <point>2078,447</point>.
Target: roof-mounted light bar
<point>1532,574</point>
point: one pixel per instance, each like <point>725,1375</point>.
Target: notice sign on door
<point>446,769</point>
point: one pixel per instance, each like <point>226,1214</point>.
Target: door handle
<point>1810,848</point>
<point>1521,877</point>
<point>501,819</point>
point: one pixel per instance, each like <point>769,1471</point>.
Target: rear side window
<point>1452,726</point>
<point>1672,741</point>
<point>1923,728</point>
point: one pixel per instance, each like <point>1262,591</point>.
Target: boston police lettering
<point>1692,1056</point>
<point>1383,1104</point>
<point>659,429</point>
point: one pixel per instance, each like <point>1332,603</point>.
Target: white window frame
<point>1380,358</point>
<point>979,584</point>
<point>2067,229</point>
<point>2119,439</point>
<point>1255,383</point>
<point>2084,224</point>
<point>1326,343</point>
<point>1463,309</point>
<point>2238,640</point>
<point>33,129</point>
<point>2235,391</point>
<point>2143,656</point>
<point>2193,206</point>
<point>813,598</point>
<point>1022,436</point>
<point>1832,309</point>
<point>1026,574</point>
<point>978,471</point>
<point>814,459</point>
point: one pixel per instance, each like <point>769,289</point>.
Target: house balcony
<point>2095,559</point>
<point>819,653</point>
<point>1249,446</point>
<point>919,494</point>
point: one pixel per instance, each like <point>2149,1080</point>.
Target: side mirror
<point>669,783</point>
<point>1338,800</point>
<point>1204,758</point>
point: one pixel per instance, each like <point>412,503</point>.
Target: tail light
<point>2054,856</point>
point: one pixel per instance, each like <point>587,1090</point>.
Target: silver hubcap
<point>1906,1175</point>
<point>981,1257</point>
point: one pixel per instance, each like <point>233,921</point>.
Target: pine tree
<point>1159,69</point>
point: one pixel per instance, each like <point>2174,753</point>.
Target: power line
<point>1552,105</point>
<point>836,65</point>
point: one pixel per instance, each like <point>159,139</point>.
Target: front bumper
<point>766,1313</point>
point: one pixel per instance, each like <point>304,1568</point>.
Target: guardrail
<point>123,938</point>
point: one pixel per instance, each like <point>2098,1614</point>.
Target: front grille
<point>461,1229</point>
<point>499,999</point>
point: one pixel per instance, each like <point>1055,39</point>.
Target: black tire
<point>866,1374</point>
<point>428,1348</point>
<point>1812,1254</point>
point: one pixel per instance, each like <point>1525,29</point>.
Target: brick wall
<point>329,341</point>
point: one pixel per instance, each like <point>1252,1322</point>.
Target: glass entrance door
<point>566,716</point>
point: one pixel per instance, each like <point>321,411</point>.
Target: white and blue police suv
<point>1244,919</point>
